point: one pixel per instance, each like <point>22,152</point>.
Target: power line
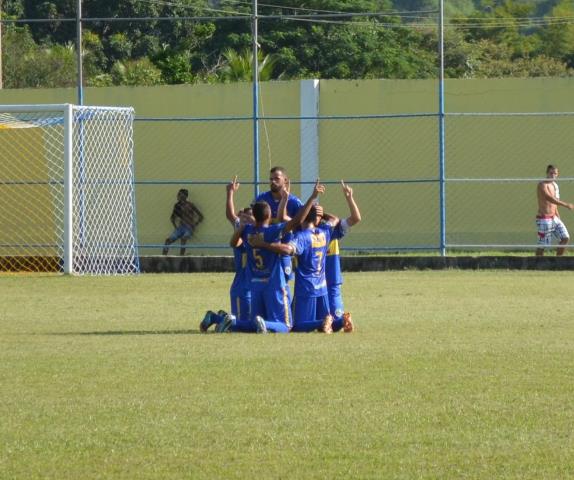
<point>194,7</point>
<point>326,17</point>
<point>389,13</point>
<point>319,13</point>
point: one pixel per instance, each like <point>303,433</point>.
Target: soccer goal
<point>67,201</point>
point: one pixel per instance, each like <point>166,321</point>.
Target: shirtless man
<point>185,216</point>
<point>548,219</point>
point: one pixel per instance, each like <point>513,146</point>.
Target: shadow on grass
<point>127,332</point>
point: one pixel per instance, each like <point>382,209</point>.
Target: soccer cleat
<point>207,321</point>
<point>260,324</point>
<point>348,325</point>
<point>226,325</point>
<point>222,313</point>
<point>327,326</point>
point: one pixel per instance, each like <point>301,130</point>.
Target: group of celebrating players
<point>274,229</point>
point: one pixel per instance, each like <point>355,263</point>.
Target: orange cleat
<point>348,325</point>
<point>327,326</point>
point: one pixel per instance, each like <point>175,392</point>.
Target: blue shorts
<point>309,313</point>
<point>183,231</point>
<point>273,304</point>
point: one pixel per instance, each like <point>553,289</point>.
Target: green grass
<point>450,375</point>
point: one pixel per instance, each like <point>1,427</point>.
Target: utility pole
<point>80,80</point>
<point>255,68</point>
<point>1,84</point>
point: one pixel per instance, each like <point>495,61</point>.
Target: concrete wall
<point>203,155</point>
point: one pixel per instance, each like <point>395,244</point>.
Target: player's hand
<point>233,186</point>
<point>246,218</point>
<point>570,206</point>
<point>347,191</point>
<point>318,189</point>
<point>286,191</point>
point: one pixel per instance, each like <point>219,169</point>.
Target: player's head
<point>246,214</point>
<point>277,177</point>
<point>261,211</point>
<point>552,171</point>
<point>182,194</point>
<point>315,214</point>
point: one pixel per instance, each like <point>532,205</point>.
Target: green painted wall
<point>182,153</point>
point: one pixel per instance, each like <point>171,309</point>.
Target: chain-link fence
<point>473,188</point>
<point>492,165</point>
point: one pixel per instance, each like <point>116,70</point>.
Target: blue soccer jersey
<point>333,260</point>
<point>293,203</point>
<point>270,297</point>
<point>310,246</point>
<point>293,206</point>
<point>264,266</point>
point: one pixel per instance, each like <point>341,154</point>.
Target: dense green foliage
<point>387,39</point>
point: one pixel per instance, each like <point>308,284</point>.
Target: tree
<point>359,49</point>
<point>175,66</point>
<point>484,38</point>
<point>141,72</point>
<point>29,65</point>
<point>94,60</point>
<point>494,60</point>
<point>239,66</point>
<point>558,38</point>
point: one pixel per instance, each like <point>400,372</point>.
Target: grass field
<point>450,375</point>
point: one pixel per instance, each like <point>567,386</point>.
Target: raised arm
<point>329,217</point>
<point>303,212</point>
<point>275,247</point>
<point>353,208</point>
<point>236,237</point>
<point>282,208</point>
<point>230,204</point>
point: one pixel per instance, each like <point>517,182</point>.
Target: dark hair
<point>550,167</point>
<point>312,215</point>
<point>261,211</point>
<point>278,169</point>
<point>185,191</point>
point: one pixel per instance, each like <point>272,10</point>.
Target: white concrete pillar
<point>309,135</point>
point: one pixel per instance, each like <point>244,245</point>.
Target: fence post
<point>442,179</point>
<point>255,67</point>
<point>68,188</point>
<point>309,134</point>
<point>79,52</point>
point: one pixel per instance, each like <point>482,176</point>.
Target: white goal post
<point>67,200</point>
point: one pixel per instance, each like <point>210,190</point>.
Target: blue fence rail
<point>479,192</point>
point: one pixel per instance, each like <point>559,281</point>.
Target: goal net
<point>67,190</point>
